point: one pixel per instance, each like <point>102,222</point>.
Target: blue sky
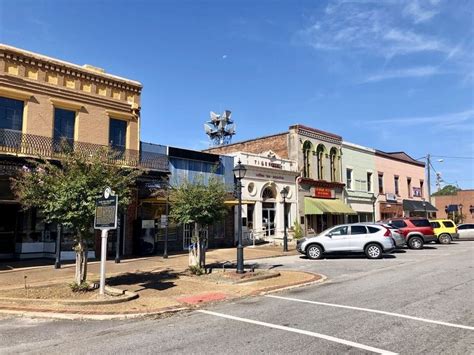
<point>392,75</point>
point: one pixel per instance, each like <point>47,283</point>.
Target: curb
<point>317,279</point>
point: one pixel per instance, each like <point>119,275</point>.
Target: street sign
<point>106,212</point>
<point>163,221</point>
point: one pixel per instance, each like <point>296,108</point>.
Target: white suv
<point>373,240</point>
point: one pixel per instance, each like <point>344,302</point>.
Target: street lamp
<point>239,173</point>
<point>284,195</point>
<point>373,199</point>
<point>460,210</point>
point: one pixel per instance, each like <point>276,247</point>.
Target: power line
<point>444,156</point>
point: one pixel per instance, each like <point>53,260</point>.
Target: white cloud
<point>415,72</point>
<point>224,56</point>
<point>421,11</point>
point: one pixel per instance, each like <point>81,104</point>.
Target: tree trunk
<point>81,261</point>
<point>194,248</point>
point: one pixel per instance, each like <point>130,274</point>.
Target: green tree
<point>65,193</point>
<point>201,204</point>
<point>447,190</point>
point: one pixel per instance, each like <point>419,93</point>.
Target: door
<point>268,220</point>
<point>8,220</point>
<point>358,237</point>
<point>337,239</point>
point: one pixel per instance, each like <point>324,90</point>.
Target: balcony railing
<point>30,145</point>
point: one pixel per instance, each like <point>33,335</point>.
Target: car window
<point>435,224</point>
<point>339,231</point>
<point>421,222</point>
<point>358,230</point>
<point>398,224</point>
<point>448,224</point>
<point>466,226</point>
<point>373,229</point>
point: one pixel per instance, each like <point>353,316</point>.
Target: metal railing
<point>30,145</point>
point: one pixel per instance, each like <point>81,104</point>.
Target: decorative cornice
<point>321,183</point>
<point>319,136</point>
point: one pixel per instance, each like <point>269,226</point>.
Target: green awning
<point>310,206</point>
<point>327,206</point>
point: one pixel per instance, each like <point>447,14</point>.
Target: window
<point>117,134</point>
<point>320,156</point>
<point>380,183</point>
<point>466,226</point>
<point>333,166</point>
<point>372,229</point>
<point>448,224</point>
<point>11,114</point>
<point>369,182</point>
<point>349,178</point>
<point>435,224</point>
<point>409,186</point>
<point>421,222</point>
<point>421,188</point>
<point>358,230</point>
<point>397,188</point>
<point>64,121</point>
<point>307,148</point>
<point>398,224</point>
<point>339,231</point>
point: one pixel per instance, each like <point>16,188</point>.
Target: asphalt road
<point>411,302</point>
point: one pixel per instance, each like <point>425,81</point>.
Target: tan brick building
<point>455,206</point>
<point>44,104</point>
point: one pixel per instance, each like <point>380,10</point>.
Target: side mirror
<point>329,235</point>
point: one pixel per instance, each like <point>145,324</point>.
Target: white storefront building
<point>264,210</point>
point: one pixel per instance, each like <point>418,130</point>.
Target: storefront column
<point>257,222</point>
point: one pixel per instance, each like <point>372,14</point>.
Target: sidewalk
<point>162,284</point>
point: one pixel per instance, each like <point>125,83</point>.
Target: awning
<point>320,206</point>
<point>417,206</point>
<point>236,202</point>
<point>452,208</point>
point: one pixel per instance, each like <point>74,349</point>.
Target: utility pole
<point>428,163</point>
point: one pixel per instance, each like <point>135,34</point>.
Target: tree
<point>201,204</point>
<point>447,190</point>
<point>65,192</point>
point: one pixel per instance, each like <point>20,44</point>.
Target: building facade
<point>401,186</point>
<point>359,174</point>
<point>48,107</point>
<point>458,207</point>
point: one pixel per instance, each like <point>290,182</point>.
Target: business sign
<point>163,221</point>
<point>417,192</point>
<point>322,192</point>
<point>391,197</point>
<point>106,212</point>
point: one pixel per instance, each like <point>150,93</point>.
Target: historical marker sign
<point>106,212</point>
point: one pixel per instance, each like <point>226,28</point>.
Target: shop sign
<point>391,197</point>
<point>322,192</point>
<point>417,192</point>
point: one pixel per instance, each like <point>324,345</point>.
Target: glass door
<point>268,218</point>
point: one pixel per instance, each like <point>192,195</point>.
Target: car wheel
<point>415,243</point>
<point>314,252</point>
<point>373,251</point>
<point>444,239</point>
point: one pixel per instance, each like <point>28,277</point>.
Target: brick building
<point>46,105</point>
<point>458,207</point>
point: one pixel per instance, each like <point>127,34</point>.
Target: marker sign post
<point>105,220</point>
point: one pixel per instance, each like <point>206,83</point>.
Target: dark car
<point>416,231</point>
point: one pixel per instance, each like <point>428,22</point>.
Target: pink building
<point>401,188</point>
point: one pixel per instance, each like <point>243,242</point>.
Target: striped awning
<point>320,206</point>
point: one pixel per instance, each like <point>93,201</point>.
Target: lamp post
<point>373,199</point>
<point>239,173</point>
<point>165,248</point>
<point>284,195</point>
<point>460,210</point>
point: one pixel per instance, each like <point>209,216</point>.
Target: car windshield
<point>327,230</point>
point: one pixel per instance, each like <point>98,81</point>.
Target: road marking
<point>300,331</point>
<point>375,311</point>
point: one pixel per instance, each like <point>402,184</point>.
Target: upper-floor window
<point>64,122</point>
<point>118,134</point>
<point>11,114</point>
<point>409,186</point>
<point>307,150</point>
<point>333,164</point>
<point>369,182</point>
<point>397,188</point>
<point>380,183</point>
<point>320,156</point>
<point>421,188</point>
<point>349,178</point>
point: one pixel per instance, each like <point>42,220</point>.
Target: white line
<point>375,311</point>
<point>299,331</point>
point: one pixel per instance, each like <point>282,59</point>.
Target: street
<point>411,301</point>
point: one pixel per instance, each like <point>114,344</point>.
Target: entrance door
<point>8,217</point>
<point>268,218</point>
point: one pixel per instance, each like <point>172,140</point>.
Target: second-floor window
<point>369,182</point>
<point>409,187</point>
<point>397,189</point>
<point>380,183</point>
<point>117,134</point>
<point>11,114</point>
<point>349,178</point>
<point>320,156</point>
<point>421,188</point>
<point>64,121</point>
<point>307,149</point>
<point>333,162</point>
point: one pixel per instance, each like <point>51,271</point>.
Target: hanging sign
<point>322,192</point>
<point>106,211</point>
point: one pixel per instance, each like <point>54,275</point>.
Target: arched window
<point>320,158</point>
<point>333,164</point>
<point>307,150</point>
<point>268,193</point>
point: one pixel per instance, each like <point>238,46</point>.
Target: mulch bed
<point>57,291</point>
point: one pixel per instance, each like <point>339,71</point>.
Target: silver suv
<point>373,240</point>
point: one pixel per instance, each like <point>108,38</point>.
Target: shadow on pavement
<point>348,256</point>
<point>148,280</point>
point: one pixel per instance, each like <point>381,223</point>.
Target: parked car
<point>397,236</point>
<point>445,230</point>
<point>373,240</point>
<point>416,231</point>
<point>466,231</point>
